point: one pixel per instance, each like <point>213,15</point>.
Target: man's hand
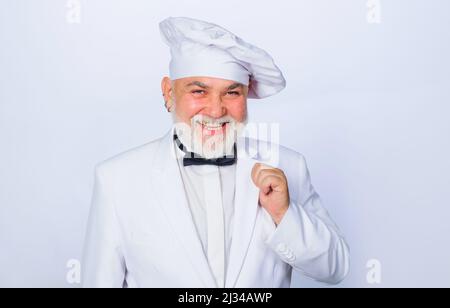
<point>273,190</point>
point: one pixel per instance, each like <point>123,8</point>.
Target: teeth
<point>212,126</point>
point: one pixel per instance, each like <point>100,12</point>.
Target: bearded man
<point>205,206</point>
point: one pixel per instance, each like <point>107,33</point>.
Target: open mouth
<point>213,128</point>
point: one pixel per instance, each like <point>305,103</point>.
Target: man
<point>203,206</point>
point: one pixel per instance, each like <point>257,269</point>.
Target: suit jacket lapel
<point>246,207</point>
<point>168,187</point>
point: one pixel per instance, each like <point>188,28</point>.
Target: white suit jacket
<point>141,233</point>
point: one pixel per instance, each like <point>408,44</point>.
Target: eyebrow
<point>205,86</point>
<point>235,85</point>
<point>198,84</point>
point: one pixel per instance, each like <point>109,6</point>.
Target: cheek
<point>186,108</point>
<point>238,110</point>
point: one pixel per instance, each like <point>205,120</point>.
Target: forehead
<point>209,82</point>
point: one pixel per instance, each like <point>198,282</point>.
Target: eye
<point>201,92</point>
<point>234,93</point>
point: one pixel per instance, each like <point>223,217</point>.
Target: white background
<point>367,104</point>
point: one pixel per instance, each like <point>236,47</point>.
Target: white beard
<point>209,146</point>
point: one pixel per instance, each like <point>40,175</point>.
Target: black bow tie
<point>195,159</point>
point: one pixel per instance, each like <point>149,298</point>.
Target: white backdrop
<point>366,103</point>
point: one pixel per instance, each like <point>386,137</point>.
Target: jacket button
<point>290,258</point>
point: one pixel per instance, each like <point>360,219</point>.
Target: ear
<point>166,87</point>
<point>247,88</point>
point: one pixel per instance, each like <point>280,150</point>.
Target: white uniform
<point>210,192</point>
<point>142,231</point>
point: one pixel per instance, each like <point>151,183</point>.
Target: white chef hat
<point>202,49</point>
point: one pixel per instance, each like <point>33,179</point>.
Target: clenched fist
<point>273,190</point>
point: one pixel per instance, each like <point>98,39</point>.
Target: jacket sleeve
<point>307,238</point>
<point>103,262</point>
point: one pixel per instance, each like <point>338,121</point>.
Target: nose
<point>215,108</point>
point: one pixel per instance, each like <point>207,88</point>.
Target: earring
<point>169,105</point>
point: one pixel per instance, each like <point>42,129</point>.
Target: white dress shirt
<point>210,192</point>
